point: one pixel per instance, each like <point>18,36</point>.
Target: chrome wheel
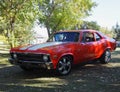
<point>64,65</point>
<point>106,57</point>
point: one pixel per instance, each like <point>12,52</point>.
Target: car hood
<point>43,47</point>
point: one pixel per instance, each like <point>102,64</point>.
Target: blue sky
<point>107,13</point>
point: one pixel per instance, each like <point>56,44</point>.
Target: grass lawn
<point>89,78</point>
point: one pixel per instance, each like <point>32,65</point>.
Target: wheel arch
<point>67,54</point>
<point>108,48</point>
<point>62,66</point>
<point>103,59</point>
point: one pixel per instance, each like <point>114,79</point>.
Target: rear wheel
<point>64,65</point>
<point>106,57</point>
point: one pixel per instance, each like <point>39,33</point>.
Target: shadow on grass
<point>89,78</point>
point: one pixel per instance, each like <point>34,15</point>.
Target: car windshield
<point>66,37</point>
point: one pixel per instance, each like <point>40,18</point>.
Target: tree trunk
<point>11,36</point>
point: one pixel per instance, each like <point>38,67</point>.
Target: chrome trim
<point>49,65</point>
<point>21,61</point>
<point>29,53</point>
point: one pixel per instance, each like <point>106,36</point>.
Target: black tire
<point>26,68</point>
<point>64,65</point>
<point>106,57</point>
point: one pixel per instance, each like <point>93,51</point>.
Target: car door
<point>87,46</point>
<point>100,45</point>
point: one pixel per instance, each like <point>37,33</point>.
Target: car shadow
<point>81,78</point>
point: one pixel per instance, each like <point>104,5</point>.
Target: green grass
<point>4,58</point>
<point>89,78</point>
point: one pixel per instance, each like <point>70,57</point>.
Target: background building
<point>39,32</point>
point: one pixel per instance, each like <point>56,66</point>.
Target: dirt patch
<point>89,78</point>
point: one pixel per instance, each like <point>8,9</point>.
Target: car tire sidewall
<point>106,57</point>
<point>70,67</point>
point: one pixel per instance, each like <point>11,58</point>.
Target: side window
<point>88,37</point>
<point>97,37</point>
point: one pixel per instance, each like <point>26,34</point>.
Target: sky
<point>107,13</point>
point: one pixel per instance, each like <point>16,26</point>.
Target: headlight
<point>45,58</point>
<point>14,56</point>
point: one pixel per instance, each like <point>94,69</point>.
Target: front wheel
<point>64,65</point>
<point>106,57</point>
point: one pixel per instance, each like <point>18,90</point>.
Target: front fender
<point>56,58</point>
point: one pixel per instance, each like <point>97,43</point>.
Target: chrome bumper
<point>34,64</point>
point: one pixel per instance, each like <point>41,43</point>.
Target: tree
<point>106,31</point>
<point>16,15</point>
<point>117,32</point>
<point>90,25</point>
<point>64,14</point>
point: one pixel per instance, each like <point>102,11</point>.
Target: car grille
<point>28,57</point>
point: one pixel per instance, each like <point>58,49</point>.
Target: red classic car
<point>66,49</point>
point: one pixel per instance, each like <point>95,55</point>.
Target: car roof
<point>82,30</point>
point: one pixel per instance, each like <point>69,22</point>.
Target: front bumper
<point>32,64</point>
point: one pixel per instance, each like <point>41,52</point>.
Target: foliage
<point>16,16</point>
<point>93,25</point>
<point>107,32</point>
<point>90,25</point>
<point>64,14</point>
<point>116,31</point>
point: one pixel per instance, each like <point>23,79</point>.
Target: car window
<point>88,37</point>
<point>66,37</point>
<point>97,37</point>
